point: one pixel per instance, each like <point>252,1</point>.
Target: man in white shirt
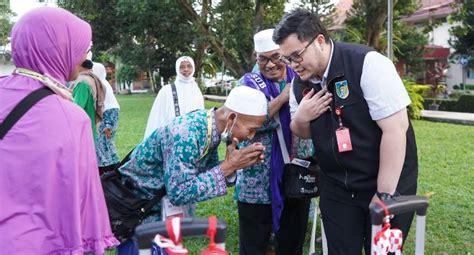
<point>352,104</point>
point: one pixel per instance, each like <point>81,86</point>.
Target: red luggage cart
<point>165,237</point>
<point>385,239</point>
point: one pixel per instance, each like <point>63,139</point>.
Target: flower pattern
<point>172,156</point>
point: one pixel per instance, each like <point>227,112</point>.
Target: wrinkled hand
<point>285,94</point>
<point>313,105</point>
<point>241,158</point>
<point>108,132</point>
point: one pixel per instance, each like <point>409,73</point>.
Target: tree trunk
<point>213,41</point>
<point>201,45</point>
<point>376,15</point>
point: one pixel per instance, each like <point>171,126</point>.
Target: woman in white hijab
<point>106,151</point>
<point>188,94</point>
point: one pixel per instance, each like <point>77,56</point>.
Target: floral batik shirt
<point>175,156</point>
<point>253,183</point>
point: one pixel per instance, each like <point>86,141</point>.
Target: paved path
<point>215,98</point>
<point>450,117</point>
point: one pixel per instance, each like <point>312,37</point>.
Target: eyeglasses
<point>296,57</point>
<point>262,60</point>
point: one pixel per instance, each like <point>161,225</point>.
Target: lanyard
<point>209,134</point>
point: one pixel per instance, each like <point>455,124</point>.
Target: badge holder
<point>343,136</point>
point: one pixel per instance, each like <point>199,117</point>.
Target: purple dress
<point>51,199</point>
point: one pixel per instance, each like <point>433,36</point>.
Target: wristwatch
<point>384,196</point>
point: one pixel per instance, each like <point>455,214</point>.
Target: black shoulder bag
<point>126,210</point>
<point>300,178</point>
<point>21,108</point>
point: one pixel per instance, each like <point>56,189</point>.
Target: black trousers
<point>347,223</point>
<point>255,227</point>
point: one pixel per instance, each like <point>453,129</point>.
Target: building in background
<point>438,51</point>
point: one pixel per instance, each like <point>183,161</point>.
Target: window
<point>470,73</point>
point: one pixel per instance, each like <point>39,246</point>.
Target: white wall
<point>6,69</point>
<point>454,75</point>
<point>440,35</point>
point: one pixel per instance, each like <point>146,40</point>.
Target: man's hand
<point>285,94</point>
<point>275,105</point>
<point>241,158</point>
<point>108,132</point>
<point>312,106</point>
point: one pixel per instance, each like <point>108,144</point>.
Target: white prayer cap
<point>247,101</point>
<point>263,41</point>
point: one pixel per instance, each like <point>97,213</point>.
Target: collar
<point>326,72</point>
<point>336,63</point>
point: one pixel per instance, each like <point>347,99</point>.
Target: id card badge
<point>169,210</point>
<point>343,139</point>
<point>301,162</point>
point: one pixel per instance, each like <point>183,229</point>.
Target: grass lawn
<point>446,163</point>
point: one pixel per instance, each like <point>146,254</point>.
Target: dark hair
<point>87,64</point>
<point>305,24</point>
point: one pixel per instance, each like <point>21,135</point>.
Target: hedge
<point>465,103</point>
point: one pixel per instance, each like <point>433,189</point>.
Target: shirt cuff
<point>220,180</point>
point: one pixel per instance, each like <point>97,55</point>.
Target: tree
<point>229,28</point>
<point>408,43</point>
<point>324,8</point>
<point>101,15</point>
<point>151,34</point>
<point>371,15</point>
<point>5,27</point>
<point>463,33</point>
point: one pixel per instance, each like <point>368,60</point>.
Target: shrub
<point>415,92</point>
<point>444,104</point>
<point>470,86</point>
<point>465,104</point>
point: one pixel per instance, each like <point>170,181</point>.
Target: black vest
<point>356,170</point>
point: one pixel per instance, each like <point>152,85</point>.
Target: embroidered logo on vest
<point>342,89</point>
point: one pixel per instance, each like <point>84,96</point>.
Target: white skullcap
<point>263,41</point>
<point>247,101</point>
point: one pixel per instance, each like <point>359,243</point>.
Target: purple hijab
<point>51,196</point>
<point>258,81</point>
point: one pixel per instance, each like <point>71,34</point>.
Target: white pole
<point>390,29</point>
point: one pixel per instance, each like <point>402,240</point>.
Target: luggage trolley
<point>170,233</point>
<point>380,214</point>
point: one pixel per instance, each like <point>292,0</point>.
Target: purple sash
<point>271,91</point>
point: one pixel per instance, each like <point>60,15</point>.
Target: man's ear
<point>231,116</point>
<point>321,39</point>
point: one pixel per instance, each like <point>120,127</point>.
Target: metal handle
<point>398,205</point>
<point>189,227</point>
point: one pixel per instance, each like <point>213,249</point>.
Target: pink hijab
<point>51,196</point>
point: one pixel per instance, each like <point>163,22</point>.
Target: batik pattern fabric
<point>253,183</point>
<point>173,157</point>
<point>105,148</point>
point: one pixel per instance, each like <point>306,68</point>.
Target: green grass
<point>446,159</point>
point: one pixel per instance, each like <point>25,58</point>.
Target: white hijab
<point>189,99</point>
<point>110,101</point>
<point>180,78</point>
